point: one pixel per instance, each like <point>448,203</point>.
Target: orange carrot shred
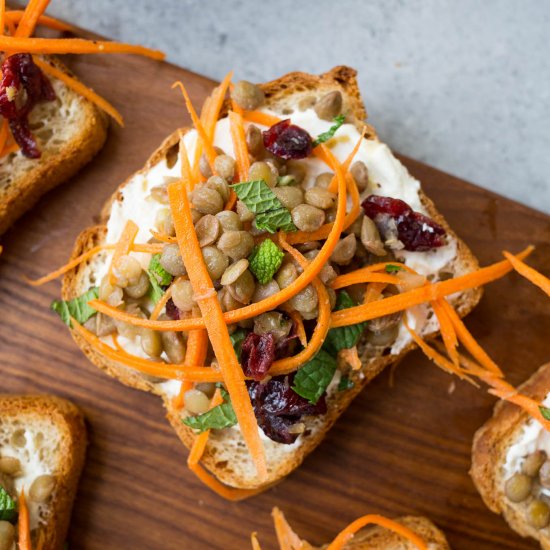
<point>161,304</point>
<point>374,292</point>
<point>447,330</point>
<point>260,118</point>
<point>217,98</point>
<point>360,276</point>
<point>34,9</point>
<point>13,148</point>
<point>286,537</point>
<point>4,132</point>
<point>298,321</point>
<point>351,357</point>
<point>349,159</point>
<point>2,22</point>
<point>239,145</point>
<point>81,89</point>
<point>15,16</point>
<point>24,524</point>
<point>347,534</point>
<point>529,273</point>
<point>123,247</point>
<point>179,401</point>
<point>186,172</point>
<point>255,542</point>
<point>215,324</point>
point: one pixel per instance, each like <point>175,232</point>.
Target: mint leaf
<point>237,339</point>
<point>345,384</point>
<point>393,268</point>
<point>545,411</point>
<point>260,200</point>
<point>325,136</point>
<point>156,292</point>
<point>77,307</point>
<point>161,275</point>
<point>343,337</point>
<point>265,261</point>
<point>8,510</point>
<point>312,380</point>
<point>218,418</point>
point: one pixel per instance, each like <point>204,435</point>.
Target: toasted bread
<point>69,132</point>
<point>48,436</point>
<point>493,464</point>
<point>226,454</point>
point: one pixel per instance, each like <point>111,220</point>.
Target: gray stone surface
<point>462,85</point>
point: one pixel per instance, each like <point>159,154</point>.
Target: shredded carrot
<point>161,304</point>
<point>208,147</point>
<point>239,145</point>
<point>24,524</point>
<point>359,276</point>
<point>4,132</point>
<point>3,20</point>
<point>13,148</point>
<point>123,247</point>
<point>81,89</point>
<point>217,98</point>
<point>12,44</point>
<point>347,534</point>
<point>349,159</point>
<point>34,9</point>
<point>286,537</point>
<point>205,115</point>
<point>163,237</point>
<point>299,323</point>
<point>179,401</point>
<point>529,273</point>
<point>427,293</point>
<point>468,341</point>
<point>186,173</point>
<point>215,324</point>
<point>374,292</point>
<point>257,117</point>
<point>351,357</point>
<point>15,16</point>
<point>447,330</point>
<point>255,542</point>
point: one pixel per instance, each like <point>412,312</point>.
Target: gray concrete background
<point>463,85</point>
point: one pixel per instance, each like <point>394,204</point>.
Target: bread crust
<point>69,420</point>
<point>54,168</point>
<point>490,445</point>
<point>342,78</point>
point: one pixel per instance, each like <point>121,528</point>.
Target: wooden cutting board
<point>403,447</point>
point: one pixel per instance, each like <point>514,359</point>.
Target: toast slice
<point>69,131</point>
<point>226,455</point>
<point>47,436</point>
<point>499,452</point>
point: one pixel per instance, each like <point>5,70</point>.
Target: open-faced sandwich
<point>511,463</point>
<point>262,268</point>
<point>51,123</point>
<point>42,449</point>
<point>367,533</point>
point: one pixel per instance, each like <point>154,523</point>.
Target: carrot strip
<point>163,237</point>
<point>154,368</point>
<point>179,401</point>
<point>205,114</point>
<point>351,357</point>
<point>123,247</point>
<point>374,292</point>
<point>80,89</point>
<point>13,148</point>
<point>161,303</point>
<point>34,9</point>
<point>217,98</point>
<point>3,20</point>
<point>255,542</point>
<point>239,145</point>
<point>468,341</point>
<point>286,537</point>
<point>15,16</point>
<point>529,273</point>
<point>4,132</point>
<point>350,157</point>
<point>299,322</point>
<point>427,293</point>
<point>208,147</point>
<point>24,524</point>
<point>257,117</point>
<point>359,276</point>
<point>186,173</point>
<point>347,534</point>
<point>73,45</point>
<point>215,324</point>
<point>447,330</point>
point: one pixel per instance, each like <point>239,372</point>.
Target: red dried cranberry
<point>20,74</point>
<point>277,407</point>
<point>288,141</point>
<point>257,355</point>
<point>416,231</point>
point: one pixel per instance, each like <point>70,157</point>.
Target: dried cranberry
<point>172,310</point>
<point>288,141</point>
<point>277,407</point>
<point>257,355</point>
<point>23,85</point>
<point>416,231</point>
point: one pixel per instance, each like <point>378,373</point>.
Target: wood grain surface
<point>403,447</point>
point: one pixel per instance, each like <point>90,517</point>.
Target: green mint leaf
<point>345,384</point>
<point>312,380</point>
<point>393,268</point>
<point>237,339</point>
<point>261,201</point>
<point>343,337</point>
<point>265,261</point>
<point>289,179</point>
<point>325,136</point>
<point>156,292</point>
<point>77,308</point>
<point>8,511</point>
<point>545,411</point>
<point>161,275</point>
<point>218,418</point>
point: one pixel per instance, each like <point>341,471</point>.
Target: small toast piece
<point>226,455</point>
<point>493,463</point>
<point>48,436</point>
<point>69,132</point>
